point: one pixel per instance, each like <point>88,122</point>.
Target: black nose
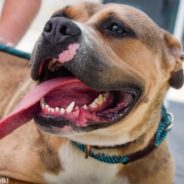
<point>59,29</point>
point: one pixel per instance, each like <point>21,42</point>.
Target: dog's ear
<point>175,51</point>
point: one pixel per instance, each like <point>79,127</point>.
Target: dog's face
<point>113,66</point>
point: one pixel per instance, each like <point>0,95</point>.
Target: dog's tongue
<point>30,105</point>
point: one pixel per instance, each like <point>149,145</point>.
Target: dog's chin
<point>74,107</point>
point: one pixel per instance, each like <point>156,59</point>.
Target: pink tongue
<point>30,105</point>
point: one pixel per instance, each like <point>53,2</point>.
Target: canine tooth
<point>57,109</point>
<point>62,110</point>
<point>100,99</point>
<point>70,107</point>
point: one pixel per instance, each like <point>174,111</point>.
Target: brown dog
<point>102,72</point>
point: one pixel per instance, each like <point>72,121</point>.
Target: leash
<point>164,127</point>
<point>14,52</point>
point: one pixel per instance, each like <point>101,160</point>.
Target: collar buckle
<point>169,127</point>
<point>87,152</point>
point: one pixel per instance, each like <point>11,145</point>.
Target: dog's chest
<point>78,170</point>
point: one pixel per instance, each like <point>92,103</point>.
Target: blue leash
<point>164,127</point>
<point>15,52</point>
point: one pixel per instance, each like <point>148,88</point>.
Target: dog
<point>100,74</point>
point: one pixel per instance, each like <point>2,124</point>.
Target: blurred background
<point>169,14</point>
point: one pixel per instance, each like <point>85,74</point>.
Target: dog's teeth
<point>43,106</point>
<point>52,110</point>
<point>105,95</point>
<point>93,105</point>
<point>70,107</point>
<point>47,107</point>
<point>85,107</point>
<point>62,111</point>
<point>99,100</point>
<point>96,101</point>
<point>57,109</point>
<point>102,98</point>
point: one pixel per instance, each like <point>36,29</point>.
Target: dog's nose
<point>59,29</point>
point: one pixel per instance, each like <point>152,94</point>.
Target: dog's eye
<point>117,29</point>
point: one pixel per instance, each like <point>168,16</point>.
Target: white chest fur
<point>78,170</point>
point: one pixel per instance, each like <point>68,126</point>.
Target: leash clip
<point>88,149</point>
<point>169,127</point>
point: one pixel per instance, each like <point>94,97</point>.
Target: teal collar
<point>164,127</point>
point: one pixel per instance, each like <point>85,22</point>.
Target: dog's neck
<point>158,136</point>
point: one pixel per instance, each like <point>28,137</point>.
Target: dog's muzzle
<point>75,91</point>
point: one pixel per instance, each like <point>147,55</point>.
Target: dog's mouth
<point>73,105</point>
<point>77,106</point>
<point>62,103</point>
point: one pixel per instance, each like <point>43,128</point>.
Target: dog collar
<point>164,127</point>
